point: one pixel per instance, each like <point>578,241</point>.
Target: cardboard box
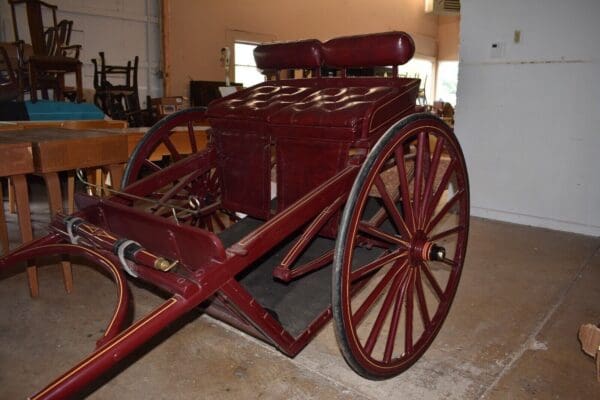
<point>169,105</point>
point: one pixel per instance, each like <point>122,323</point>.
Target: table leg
<point>3,228</point>
<point>99,182</point>
<point>22,200</point>
<point>116,175</point>
<point>54,193</point>
<point>11,197</point>
<point>55,200</point>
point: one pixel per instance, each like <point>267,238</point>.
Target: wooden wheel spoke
<point>446,233</point>
<point>381,235</point>
<point>408,330</point>
<point>437,155</point>
<point>430,207</point>
<point>419,166</point>
<point>434,283</point>
<point>404,188</point>
<point>192,136</point>
<point>391,339</point>
<point>153,166</point>
<point>390,206</point>
<point>421,297</point>
<point>177,188</point>
<point>375,265</point>
<point>426,158</point>
<point>379,217</point>
<point>171,147</point>
<point>393,292</point>
<point>382,215</point>
<point>436,220</point>
<point>217,219</point>
<point>449,262</point>
<point>209,224</point>
<point>374,295</point>
<point>213,179</point>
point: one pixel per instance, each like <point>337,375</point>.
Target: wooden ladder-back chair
<point>50,60</point>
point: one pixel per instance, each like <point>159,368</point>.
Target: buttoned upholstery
<point>258,102</point>
<point>313,123</point>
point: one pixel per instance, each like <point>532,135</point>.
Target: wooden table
<point>50,148</point>
<point>59,149</point>
<point>179,138</point>
<point>53,150</point>
<point>71,124</point>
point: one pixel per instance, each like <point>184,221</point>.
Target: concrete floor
<point>512,333</point>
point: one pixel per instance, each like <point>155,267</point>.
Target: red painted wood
<point>377,49</point>
<point>320,131</point>
<point>300,54</point>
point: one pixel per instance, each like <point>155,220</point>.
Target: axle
<point>437,253</point>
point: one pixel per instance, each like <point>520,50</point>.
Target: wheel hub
<point>422,249</point>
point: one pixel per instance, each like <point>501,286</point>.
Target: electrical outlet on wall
<point>517,36</point>
<point>497,50</point>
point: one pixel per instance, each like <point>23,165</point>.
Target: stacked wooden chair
<point>117,90</point>
<point>43,64</point>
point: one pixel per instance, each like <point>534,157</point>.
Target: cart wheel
<point>158,149</point>
<point>408,212</point>
<point>143,162</point>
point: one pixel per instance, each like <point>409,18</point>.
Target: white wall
<point>529,121</point>
<point>120,28</point>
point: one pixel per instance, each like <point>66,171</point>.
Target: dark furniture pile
<point>117,91</point>
<point>43,63</point>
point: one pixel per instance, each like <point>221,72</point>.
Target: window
<point>422,68</point>
<point>447,82</point>
<point>245,71</point>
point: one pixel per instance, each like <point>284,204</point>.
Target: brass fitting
<point>163,264</point>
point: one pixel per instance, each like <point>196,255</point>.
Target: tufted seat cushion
<point>334,107</point>
<point>258,102</point>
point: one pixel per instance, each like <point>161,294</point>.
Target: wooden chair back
<point>35,10</point>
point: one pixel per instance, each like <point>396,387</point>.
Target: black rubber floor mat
<point>296,303</point>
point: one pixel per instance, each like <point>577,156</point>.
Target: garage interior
<point>526,98</point>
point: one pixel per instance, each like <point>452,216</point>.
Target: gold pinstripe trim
<point>114,270</point>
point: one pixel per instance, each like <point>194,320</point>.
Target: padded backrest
<point>289,55</point>
<point>372,50</point>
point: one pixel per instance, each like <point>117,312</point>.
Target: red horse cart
<point>316,197</point>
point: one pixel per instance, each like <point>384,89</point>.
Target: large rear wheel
<point>410,206</point>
